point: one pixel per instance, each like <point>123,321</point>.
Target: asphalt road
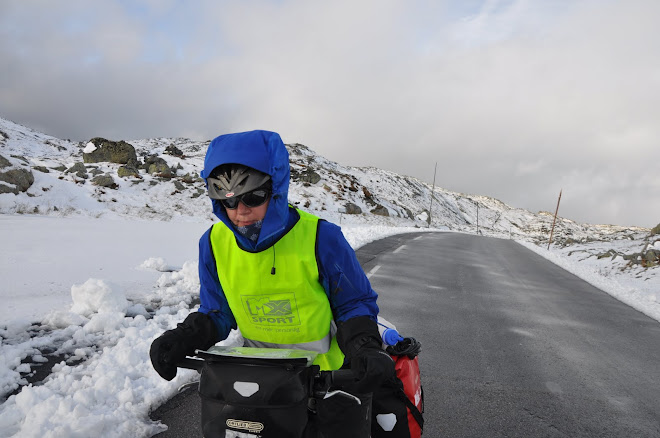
<point>512,345</point>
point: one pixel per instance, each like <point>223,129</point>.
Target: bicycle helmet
<point>229,180</point>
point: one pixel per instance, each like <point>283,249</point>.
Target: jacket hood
<point>264,151</point>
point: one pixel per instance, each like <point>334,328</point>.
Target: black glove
<point>196,332</point>
<point>361,343</point>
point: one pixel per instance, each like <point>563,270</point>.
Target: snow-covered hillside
<point>65,185</point>
<point>95,265</point>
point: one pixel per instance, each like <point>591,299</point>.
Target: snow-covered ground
<point>94,293</point>
<point>89,276</point>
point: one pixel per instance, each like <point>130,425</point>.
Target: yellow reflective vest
<point>275,294</point>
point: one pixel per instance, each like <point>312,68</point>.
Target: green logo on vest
<point>273,310</point>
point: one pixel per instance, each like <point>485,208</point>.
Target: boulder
<point>155,165</point>
<point>352,208</point>
<point>104,180</point>
<point>409,212</point>
<point>79,169</point>
<point>380,211</point>
<point>4,162</point>
<point>174,151</point>
<point>102,150</point>
<point>17,178</point>
<point>21,180</point>
<point>128,172</point>
<point>655,230</point>
<point>190,179</point>
<point>42,169</point>
<point>305,176</point>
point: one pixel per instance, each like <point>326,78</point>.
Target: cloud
<point>514,99</point>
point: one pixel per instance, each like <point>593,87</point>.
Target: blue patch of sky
<point>170,33</point>
<point>490,21</point>
<point>165,30</point>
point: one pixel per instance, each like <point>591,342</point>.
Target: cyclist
<point>284,277</point>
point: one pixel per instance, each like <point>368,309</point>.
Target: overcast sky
<point>513,99</point>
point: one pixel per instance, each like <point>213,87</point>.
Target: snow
<point>89,148</point>
<point>88,285</point>
<point>99,328</point>
<point>97,296</point>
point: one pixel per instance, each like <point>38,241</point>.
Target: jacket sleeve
<point>212,298</point>
<point>342,277</point>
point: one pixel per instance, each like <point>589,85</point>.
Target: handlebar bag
<point>264,400</point>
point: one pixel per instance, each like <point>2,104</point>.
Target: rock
<point>159,169</point>
<point>352,208</point>
<point>306,176</point>
<point>655,230</point>
<point>380,211</point>
<point>174,151</point>
<point>366,192</point>
<point>104,180</point>
<point>109,151</point>
<point>4,162</point>
<point>79,169</point>
<point>190,179</point>
<point>651,256</point>
<point>21,179</point>
<point>42,169</point>
<point>128,172</point>
<point>157,166</point>
<point>611,254</point>
<point>409,212</point>
<point>179,186</point>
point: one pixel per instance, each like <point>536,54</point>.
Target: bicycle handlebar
<point>341,377</point>
<point>191,364</point>
<point>334,377</point>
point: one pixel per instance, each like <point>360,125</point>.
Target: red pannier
<point>398,404</point>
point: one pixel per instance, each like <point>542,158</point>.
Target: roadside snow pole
<point>554,220</point>
<point>477,218</point>
<point>432,190</point>
<point>341,211</point>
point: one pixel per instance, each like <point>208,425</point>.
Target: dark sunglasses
<point>252,199</point>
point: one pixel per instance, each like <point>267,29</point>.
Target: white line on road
<point>399,249</point>
<point>418,237</point>
<point>373,271</point>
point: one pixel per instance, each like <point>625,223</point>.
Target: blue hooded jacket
<point>348,289</point>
